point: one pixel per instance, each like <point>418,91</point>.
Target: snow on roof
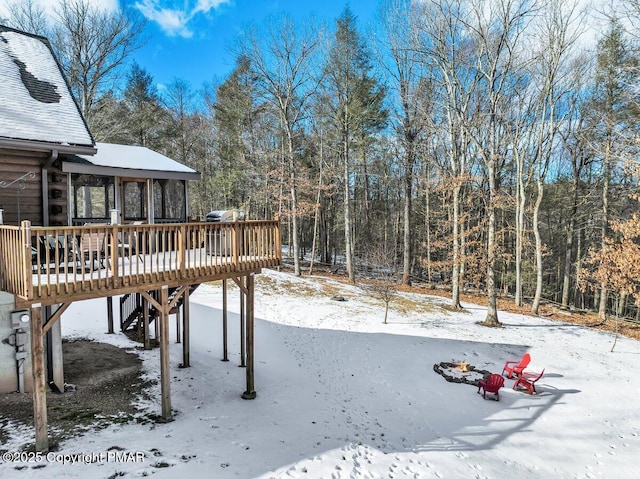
<point>125,160</point>
<point>134,157</point>
<point>35,101</point>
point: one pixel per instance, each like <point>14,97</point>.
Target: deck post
<point>225,345</point>
<point>278,241</point>
<point>156,327</point>
<point>182,250</point>
<point>39,380</point>
<point>165,387</point>
<point>235,245</point>
<point>242,324</point>
<point>250,393</point>
<point>113,253</point>
<point>177,312</point>
<point>109,314</point>
<point>145,323</point>
<point>25,263</point>
<point>185,328</point>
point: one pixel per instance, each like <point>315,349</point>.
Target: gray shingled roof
<point>35,102</point>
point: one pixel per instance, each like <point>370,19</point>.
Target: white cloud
<point>205,5</point>
<point>172,19</point>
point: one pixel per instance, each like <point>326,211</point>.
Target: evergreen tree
<point>141,111</point>
<point>356,108</point>
<point>232,113</point>
<point>611,117</point>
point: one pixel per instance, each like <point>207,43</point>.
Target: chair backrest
<point>533,379</point>
<point>494,382</point>
<point>93,241</point>
<point>132,238</point>
<point>524,362</point>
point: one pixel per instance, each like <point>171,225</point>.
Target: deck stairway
<point>132,310</point>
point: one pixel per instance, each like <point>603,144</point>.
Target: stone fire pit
<point>460,372</point>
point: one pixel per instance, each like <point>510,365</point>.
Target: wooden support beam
<point>145,323</point>
<point>185,330</point>
<point>151,299</point>
<point>225,344</point>
<point>242,323</point>
<point>179,293</point>
<point>54,317</point>
<point>74,291</point>
<point>156,329</point>
<point>176,310</point>
<point>109,314</point>
<point>250,393</point>
<point>39,380</point>
<point>165,386</point>
<point>240,283</point>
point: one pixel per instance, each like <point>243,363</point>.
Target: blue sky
<point>191,39</point>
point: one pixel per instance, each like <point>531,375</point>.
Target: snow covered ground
<point>341,395</point>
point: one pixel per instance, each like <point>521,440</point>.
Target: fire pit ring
<point>460,372</point>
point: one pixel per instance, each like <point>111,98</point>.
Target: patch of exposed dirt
<point>103,384</point>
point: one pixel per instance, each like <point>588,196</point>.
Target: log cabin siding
<point>58,198</point>
<point>22,200</point>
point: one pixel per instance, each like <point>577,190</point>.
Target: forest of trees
<point>484,144</point>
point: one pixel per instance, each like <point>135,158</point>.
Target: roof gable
<point>35,101</point>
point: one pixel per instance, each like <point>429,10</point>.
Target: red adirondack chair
<point>491,384</point>
<point>515,368</point>
<point>527,381</point>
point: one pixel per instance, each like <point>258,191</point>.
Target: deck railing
<point>51,263</point>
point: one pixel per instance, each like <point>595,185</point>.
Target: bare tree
<point>28,16</point>
<point>555,38</point>
<point>448,54</point>
<point>384,277</point>
<point>496,33</point>
<point>92,45</point>
<point>572,138</point>
<point>407,76</point>
<point>282,58</point>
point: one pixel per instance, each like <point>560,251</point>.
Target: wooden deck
<point>49,265</point>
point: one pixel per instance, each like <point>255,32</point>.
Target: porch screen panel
<point>135,206</point>
<point>93,197</point>
<point>169,200</point>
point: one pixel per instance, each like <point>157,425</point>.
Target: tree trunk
<point>316,211</point>
<point>427,221</point>
<point>455,271</point>
<point>294,204</point>
<point>348,238</point>
<point>408,191</point>
<point>492,306</point>
<point>520,206</point>
<point>536,232</point>
<point>566,282</point>
<point>602,309</point>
